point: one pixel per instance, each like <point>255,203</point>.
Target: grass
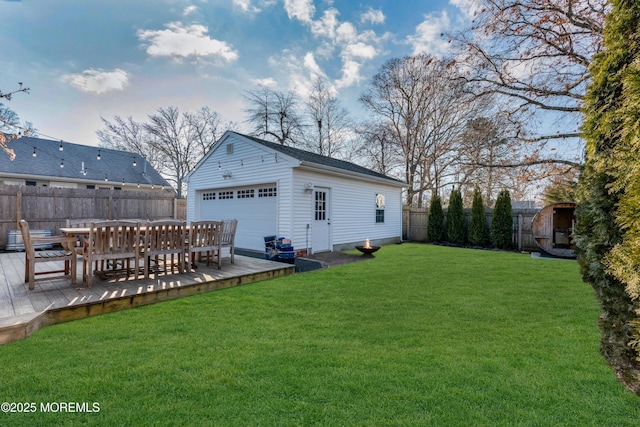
<point>420,335</point>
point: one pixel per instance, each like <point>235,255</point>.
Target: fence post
<point>110,206</point>
<point>18,207</point>
<point>520,220</point>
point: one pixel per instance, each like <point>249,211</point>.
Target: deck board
<point>58,300</point>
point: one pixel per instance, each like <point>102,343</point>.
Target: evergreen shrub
<point>435,226</point>
<point>502,223</point>
<point>455,218</point>
<point>478,221</point>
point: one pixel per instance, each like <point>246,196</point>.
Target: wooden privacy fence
<point>414,226</point>
<point>49,208</point>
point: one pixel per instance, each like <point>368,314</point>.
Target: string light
<point>37,152</point>
<point>134,160</point>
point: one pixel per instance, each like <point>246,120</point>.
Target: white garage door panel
<point>256,217</point>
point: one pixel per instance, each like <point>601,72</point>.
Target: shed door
<point>255,208</point>
<point>321,233</point>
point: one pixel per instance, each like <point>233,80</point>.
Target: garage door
<point>254,207</point>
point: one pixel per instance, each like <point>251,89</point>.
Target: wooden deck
<point>54,301</point>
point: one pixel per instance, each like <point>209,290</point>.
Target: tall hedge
<point>608,209</point>
<point>455,218</point>
<point>435,225</point>
<point>502,223</point>
<point>478,220</point>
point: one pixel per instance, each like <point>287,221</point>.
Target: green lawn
<point>420,335</point>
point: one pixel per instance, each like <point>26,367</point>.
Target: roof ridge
<point>310,156</point>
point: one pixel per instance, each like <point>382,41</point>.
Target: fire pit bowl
<point>367,250</point>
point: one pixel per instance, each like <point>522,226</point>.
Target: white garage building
<point>320,203</point>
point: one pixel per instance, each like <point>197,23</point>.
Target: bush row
<point>454,230</point>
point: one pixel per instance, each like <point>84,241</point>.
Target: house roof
<point>317,159</point>
<point>114,165</point>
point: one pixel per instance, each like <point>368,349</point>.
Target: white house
<point>320,203</point>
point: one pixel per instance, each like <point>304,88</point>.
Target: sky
<point>83,60</point>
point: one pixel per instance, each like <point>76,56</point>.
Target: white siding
<point>249,164</point>
<point>353,209</point>
<point>352,201</point>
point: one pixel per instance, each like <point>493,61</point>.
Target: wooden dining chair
<point>113,242</point>
<point>204,238</point>
<point>166,239</point>
<point>32,257</point>
<point>80,223</point>
<point>228,236</point>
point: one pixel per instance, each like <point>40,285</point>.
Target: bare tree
<point>206,127</point>
<point>10,122</point>
<point>331,128</point>
<point>484,147</point>
<point>424,110</point>
<point>274,115</point>
<point>128,135</point>
<point>172,142</point>
<point>169,134</point>
<point>534,54</point>
<point>9,95</point>
<point>377,147</point>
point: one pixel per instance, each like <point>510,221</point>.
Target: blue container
<point>287,255</point>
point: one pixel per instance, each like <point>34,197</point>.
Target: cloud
<point>302,10</point>
<point>267,82</point>
<point>350,73</point>
<point>249,6</point>
<point>189,10</point>
<point>180,41</point>
<point>469,8</point>
<point>246,6</point>
<point>360,50</point>
<point>312,67</point>
<point>428,35</point>
<point>326,25</point>
<point>335,37</point>
<point>98,81</point>
<point>373,16</point>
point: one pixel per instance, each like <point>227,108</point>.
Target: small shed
<point>552,229</point>
<point>319,203</point>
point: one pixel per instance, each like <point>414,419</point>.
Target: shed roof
<point>113,165</point>
<point>318,159</point>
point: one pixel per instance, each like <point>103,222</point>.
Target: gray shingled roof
<point>309,157</point>
<point>116,165</point>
